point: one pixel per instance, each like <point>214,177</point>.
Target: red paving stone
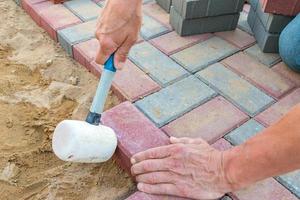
<point>258,74</point>
<point>154,10</point>
<point>209,121</point>
<point>277,110</point>
<point>171,42</point>
<point>283,69</point>
<point>222,145</point>
<point>34,8</point>
<point>238,38</point>
<point>291,7</point>
<point>134,130</point>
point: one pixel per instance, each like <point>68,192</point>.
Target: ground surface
<point>39,86</point>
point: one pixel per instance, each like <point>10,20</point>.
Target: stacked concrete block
<point>190,17</point>
<point>266,27</point>
<point>289,8</point>
<point>165,4</point>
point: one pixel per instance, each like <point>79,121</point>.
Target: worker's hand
<point>187,168</point>
<point>118,30</point>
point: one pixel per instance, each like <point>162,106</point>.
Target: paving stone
<point>266,189</point>
<point>209,121</point>
<point>203,54</point>
<point>260,75</point>
<point>291,7</point>
<point>237,90</point>
<point>254,3</point>
<point>154,10</point>
<point>57,17</point>
<point>251,18</point>
<point>143,196</point>
<point>171,43</point>
<point>285,71</point>
<point>291,181</point>
<point>246,7</point>
<point>73,35</point>
<point>186,27</point>
<point>243,24</point>
<point>35,7</point>
<point>244,132</point>
<point>268,59</point>
<point>238,38</point>
<point>206,8</point>
<point>280,108</point>
<point>131,83</point>
<point>151,28</point>
<point>85,9</point>
<point>157,65</point>
<point>135,132</point>
<point>165,4</point>
<point>222,145</point>
<point>175,100</point>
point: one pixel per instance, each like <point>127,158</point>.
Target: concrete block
<point>251,18</point>
<point>152,28</point>
<point>291,181</point>
<point>285,71</point>
<point>175,100</point>
<point>154,10</point>
<point>290,8</point>
<point>254,3</point>
<point>186,27</point>
<point>259,75</point>
<point>268,59</point>
<point>203,54</point>
<point>157,65</point>
<point>165,4</point>
<point>70,36</point>
<point>135,132</point>
<point>193,9</point>
<point>57,17</point>
<point>244,132</point>
<point>35,7</point>
<point>243,24</point>
<point>210,121</point>
<point>279,109</point>
<point>171,43</point>
<point>237,90</point>
<point>85,9</point>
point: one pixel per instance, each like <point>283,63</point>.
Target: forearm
<point>272,152</point>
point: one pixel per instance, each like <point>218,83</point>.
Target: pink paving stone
<point>222,145</point>
<point>171,42</point>
<point>134,130</point>
<point>35,7</point>
<point>130,83</point>
<point>238,38</point>
<point>268,189</point>
<point>57,17</point>
<point>280,108</point>
<point>209,121</point>
<point>259,74</point>
<point>143,196</point>
<point>154,10</point>
<point>283,69</point>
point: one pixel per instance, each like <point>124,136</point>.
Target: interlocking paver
<point>57,17</point>
<point>73,35</point>
<point>259,74</point>
<point>243,24</point>
<point>244,132</point>
<point>171,43</point>
<point>291,181</point>
<point>151,28</point>
<point>175,100</point>
<point>237,90</point>
<point>203,54</point>
<point>268,59</point>
<point>291,7</point>
<point>154,10</point>
<point>159,66</point>
<point>165,4</point>
<point>238,38</point>
<point>209,121</point>
<point>276,111</point>
<point>221,145</point>
<point>134,131</point>
<point>35,7</point>
<point>285,71</point>
<point>85,9</point>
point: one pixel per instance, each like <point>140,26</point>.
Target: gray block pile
<point>266,27</point>
<point>190,17</point>
<point>165,4</point>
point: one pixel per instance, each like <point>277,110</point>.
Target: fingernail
<point>173,138</point>
<point>140,186</point>
<point>133,161</point>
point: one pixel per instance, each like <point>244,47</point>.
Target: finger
<point>161,189</point>
<point>151,165</point>
<point>122,52</point>
<point>106,48</point>
<point>158,177</point>
<point>186,140</point>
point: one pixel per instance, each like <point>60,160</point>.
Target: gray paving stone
<point>165,4</point>
<point>84,9</point>
<point>253,3</point>
<point>203,54</point>
<point>243,24</point>
<point>151,28</point>
<point>291,181</point>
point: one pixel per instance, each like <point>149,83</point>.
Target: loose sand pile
<point>39,86</point>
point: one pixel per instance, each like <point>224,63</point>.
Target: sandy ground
<point>39,86</point>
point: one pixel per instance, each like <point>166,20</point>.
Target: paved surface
<point>218,86</point>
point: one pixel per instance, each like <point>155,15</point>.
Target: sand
<point>40,86</point>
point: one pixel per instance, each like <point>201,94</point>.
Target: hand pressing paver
<point>268,59</point>
<point>203,54</point>
<point>143,196</point>
<point>260,75</point>
<point>291,181</point>
<point>171,43</point>
<point>238,38</point>
<point>243,24</point>
<point>154,10</point>
<point>160,67</point>
<point>75,34</point>
<point>279,109</point>
<point>237,90</point>
<point>175,100</point>
<point>285,71</point>
<point>130,83</point>
<point>209,121</point>
<point>135,132</point>
<point>57,17</point>
<point>152,28</point>
<point>221,145</point>
<point>244,132</point>
<point>85,9</point>
<point>35,7</point>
